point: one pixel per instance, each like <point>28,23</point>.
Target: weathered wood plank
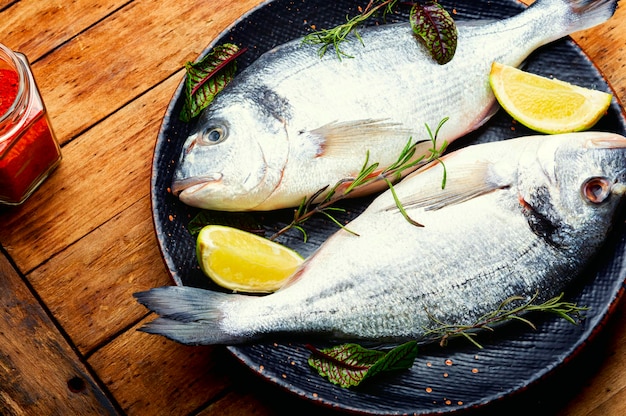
<point>86,271</point>
<point>150,375</point>
<point>35,30</point>
<point>124,55</point>
<point>6,3</point>
<point>39,372</point>
<point>108,168</point>
<point>605,393</point>
<point>608,55</point>
<point>102,257</point>
<point>615,405</point>
<point>89,286</point>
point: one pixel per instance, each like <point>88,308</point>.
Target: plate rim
<point>573,350</point>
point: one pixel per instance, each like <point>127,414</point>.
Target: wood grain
<point>4,4</point>
<point>112,163</point>
<point>39,372</point>
<point>150,375</point>
<point>72,256</point>
<point>104,257</point>
<point>605,394</point>
<point>22,29</point>
<point>100,273</point>
<point>119,58</point>
<point>608,55</point>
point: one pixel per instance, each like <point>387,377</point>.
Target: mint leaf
<point>437,30</point>
<point>208,77</point>
<point>349,364</point>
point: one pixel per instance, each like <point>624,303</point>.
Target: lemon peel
<point>544,104</point>
<point>242,261</point>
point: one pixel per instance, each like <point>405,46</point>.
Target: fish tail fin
<point>579,14</point>
<point>189,315</point>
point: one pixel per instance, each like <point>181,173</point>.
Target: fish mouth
<point>195,183</point>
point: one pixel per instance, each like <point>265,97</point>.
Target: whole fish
<point>519,217</point>
<point>291,123</point>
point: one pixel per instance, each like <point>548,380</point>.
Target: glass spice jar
<point>29,150</point>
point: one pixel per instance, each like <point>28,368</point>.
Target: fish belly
<point>396,281</point>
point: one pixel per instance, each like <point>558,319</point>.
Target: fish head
<point>573,187</point>
<point>234,158</point>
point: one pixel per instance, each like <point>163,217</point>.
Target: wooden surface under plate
<point>72,256</point>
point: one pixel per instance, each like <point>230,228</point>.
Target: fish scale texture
<point>515,356</point>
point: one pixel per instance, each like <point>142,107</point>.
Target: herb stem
<point>555,305</point>
<point>370,173</point>
<point>338,34</point>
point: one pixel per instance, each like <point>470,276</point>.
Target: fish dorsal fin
<point>340,137</point>
<point>423,188</point>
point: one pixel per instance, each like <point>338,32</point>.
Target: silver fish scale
<point>271,114</point>
<point>453,289</point>
<point>515,218</point>
<point>395,281</point>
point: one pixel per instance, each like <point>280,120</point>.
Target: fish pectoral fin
<point>464,182</point>
<point>339,137</point>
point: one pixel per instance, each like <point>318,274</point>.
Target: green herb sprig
<point>430,22</point>
<point>368,174</point>
<point>348,365</point>
<point>338,34</point>
<point>556,305</point>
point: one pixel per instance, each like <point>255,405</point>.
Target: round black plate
<point>442,380</point>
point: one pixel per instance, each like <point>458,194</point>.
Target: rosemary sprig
<point>367,175</point>
<point>430,23</point>
<point>338,34</point>
<point>556,305</point>
<point>349,365</point>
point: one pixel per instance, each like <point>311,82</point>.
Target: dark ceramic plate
<point>514,358</point>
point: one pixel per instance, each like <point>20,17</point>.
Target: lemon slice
<point>546,105</point>
<point>242,261</point>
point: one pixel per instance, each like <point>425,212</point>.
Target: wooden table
<point>73,254</point>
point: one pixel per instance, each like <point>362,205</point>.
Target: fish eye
<point>596,190</point>
<point>212,135</point>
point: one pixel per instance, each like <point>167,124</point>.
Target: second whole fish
<point>291,123</point>
<point>519,217</point>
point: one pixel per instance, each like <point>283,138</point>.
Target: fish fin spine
<point>339,137</point>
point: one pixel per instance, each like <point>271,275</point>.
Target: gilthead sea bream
<point>292,123</point>
<point>519,217</point>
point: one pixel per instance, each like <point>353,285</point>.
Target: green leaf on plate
<point>207,77</point>
<point>349,364</point>
<point>436,28</point>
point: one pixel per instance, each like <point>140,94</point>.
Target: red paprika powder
<point>28,148</point>
<point>8,89</point>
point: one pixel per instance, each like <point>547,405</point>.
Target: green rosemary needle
<point>338,34</point>
<point>342,189</point>
<point>556,305</point>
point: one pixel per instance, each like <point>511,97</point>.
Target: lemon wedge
<point>544,104</point>
<point>242,261</point>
